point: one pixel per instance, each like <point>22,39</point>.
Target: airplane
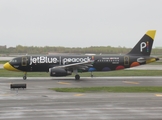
<point>64,65</point>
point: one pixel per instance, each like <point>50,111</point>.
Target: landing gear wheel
<point>77,77</point>
<point>24,77</point>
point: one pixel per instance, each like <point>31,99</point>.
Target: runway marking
<point>78,94</point>
<point>129,82</point>
<point>63,83</point>
<point>158,95</point>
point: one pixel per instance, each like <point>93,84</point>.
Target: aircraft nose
<point>7,66</point>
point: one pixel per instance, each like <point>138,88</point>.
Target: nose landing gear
<point>25,77</point>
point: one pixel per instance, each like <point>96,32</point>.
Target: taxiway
<point>38,102</point>
<point>86,81</point>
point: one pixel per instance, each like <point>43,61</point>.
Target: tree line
<point>49,49</point>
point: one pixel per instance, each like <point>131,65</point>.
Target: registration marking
<point>129,82</point>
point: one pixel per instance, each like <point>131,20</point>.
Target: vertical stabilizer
<point>144,46</point>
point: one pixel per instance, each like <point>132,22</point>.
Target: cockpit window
<point>13,60</point>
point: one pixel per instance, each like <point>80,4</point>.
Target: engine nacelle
<point>58,72</point>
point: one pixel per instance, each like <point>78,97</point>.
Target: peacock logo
<point>144,45</point>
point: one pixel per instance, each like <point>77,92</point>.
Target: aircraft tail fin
<point>144,46</point>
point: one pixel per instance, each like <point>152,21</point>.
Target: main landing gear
<point>25,77</point>
<point>91,75</point>
<point>77,77</point>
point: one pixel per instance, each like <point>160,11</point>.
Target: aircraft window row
<point>108,60</point>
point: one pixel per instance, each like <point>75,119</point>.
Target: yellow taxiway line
<point>78,94</point>
<point>129,82</point>
<point>158,95</point>
<point>66,83</point>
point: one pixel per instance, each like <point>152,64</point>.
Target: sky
<point>79,23</point>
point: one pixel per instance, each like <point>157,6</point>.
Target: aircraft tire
<point>77,77</point>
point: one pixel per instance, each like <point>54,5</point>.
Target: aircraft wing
<point>80,65</point>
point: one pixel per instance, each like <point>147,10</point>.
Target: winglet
<point>151,33</point>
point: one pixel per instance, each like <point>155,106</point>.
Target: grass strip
<point>133,89</point>
<point>6,73</point>
<point>3,62</point>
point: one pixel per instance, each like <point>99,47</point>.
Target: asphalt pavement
<point>37,102</point>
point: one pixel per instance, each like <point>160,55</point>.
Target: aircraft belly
<point>104,67</point>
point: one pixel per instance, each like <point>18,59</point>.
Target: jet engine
<point>58,72</point>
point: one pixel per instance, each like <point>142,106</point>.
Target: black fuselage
<point>63,65</point>
<point>101,63</point>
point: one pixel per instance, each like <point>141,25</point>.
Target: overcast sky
<point>78,23</point>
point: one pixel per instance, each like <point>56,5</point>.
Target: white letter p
<point>142,46</point>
